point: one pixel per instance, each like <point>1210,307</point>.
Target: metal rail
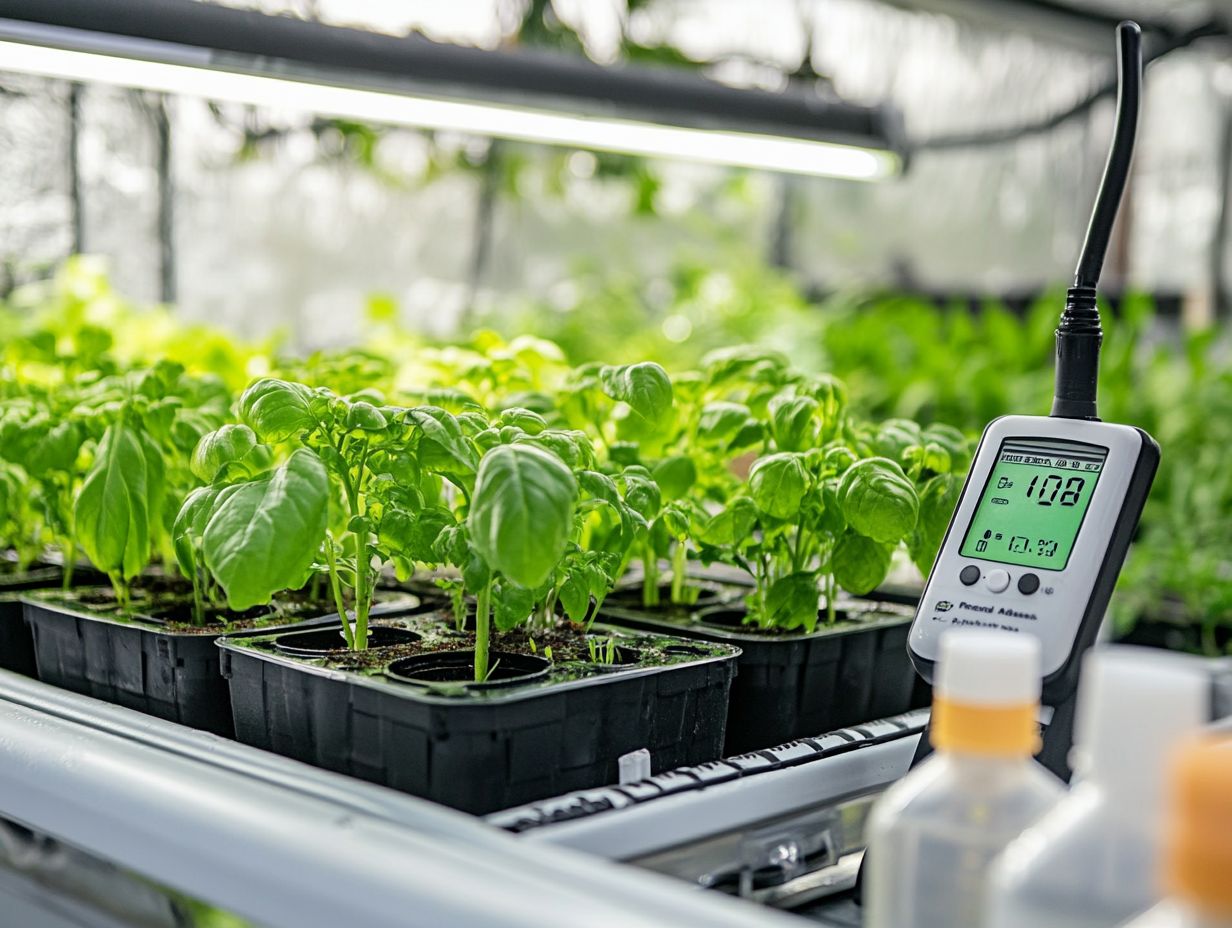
<point>289,846</point>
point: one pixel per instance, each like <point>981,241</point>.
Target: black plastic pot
<point>796,685</point>
<point>16,644</point>
<point>542,730</point>
<point>709,593</point>
<point>140,663</point>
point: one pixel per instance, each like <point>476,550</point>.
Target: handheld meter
<point>1038,538</point>
<point>1041,530</point>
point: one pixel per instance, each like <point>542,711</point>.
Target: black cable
<point>1208,29</point>
<point>1120,154</point>
<point>1079,335</point>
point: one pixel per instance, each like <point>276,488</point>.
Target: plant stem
<point>363,595</point>
<point>797,557</point>
<point>198,605</point>
<point>336,586</point>
<point>650,575</point>
<point>363,561</point>
<point>763,582</point>
<point>70,559</point>
<point>594,614</point>
<point>680,563</point>
<point>347,485</point>
<point>482,604</point>
<point>831,588</point>
<point>120,585</point>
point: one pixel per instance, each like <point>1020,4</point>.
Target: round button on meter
<point>970,575</point>
<point>1028,584</point>
<point>997,580</point>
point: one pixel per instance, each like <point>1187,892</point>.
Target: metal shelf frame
<point>289,846</point>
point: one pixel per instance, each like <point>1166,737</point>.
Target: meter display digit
<point>1034,502</point>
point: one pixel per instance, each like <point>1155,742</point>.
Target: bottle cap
<point>1198,849</point>
<point>987,693</point>
<point>1134,706</point>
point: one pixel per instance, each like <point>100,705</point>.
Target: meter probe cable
<point>1079,335</point>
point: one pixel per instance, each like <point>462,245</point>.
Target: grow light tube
<point>620,136</point>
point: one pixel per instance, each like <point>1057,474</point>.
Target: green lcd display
<point>1034,502</point>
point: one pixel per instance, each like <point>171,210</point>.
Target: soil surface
<point>567,642</point>
<point>566,645</point>
<point>166,604</point>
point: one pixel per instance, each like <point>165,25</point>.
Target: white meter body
<point>1038,539</point>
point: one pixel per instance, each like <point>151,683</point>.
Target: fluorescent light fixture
<point>598,133</point>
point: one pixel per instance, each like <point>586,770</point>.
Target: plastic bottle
<point>934,834</point>
<point>1093,860</point>
<point>1197,865</point>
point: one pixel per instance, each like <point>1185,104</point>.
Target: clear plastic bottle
<point>1197,864</point>
<point>1093,860</point>
<point>934,834</point>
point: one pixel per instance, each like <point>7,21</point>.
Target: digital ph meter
<point>1041,530</point>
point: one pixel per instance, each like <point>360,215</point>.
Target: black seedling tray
<point>138,662</point>
<point>16,643</point>
<point>484,747</point>
<point>798,684</point>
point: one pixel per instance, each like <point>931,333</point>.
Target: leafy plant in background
<point>75,324</point>
<point>674,319</point>
<point>102,457</point>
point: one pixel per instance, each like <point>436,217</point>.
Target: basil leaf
<point>720,422</point>
<point>228,445</point>
<point>792,601</point>
<point>860,564</point>
<point>511,605</point>
<point>528,421</point>
<point>879,501</point>
<point>938,500</point>
<point>365,417</point>
<point>570,446</point>
<point>778,483</point>
<point>428,527</point>
<point>645,387</point>
<point>675,475</point>
<point>189,526</point>
<point>927,458</point>
<point>521,512</point>
<point>264,535</point>
<point>895,436</point>
<point>641,492</point>
<point>113,510</point>
<point>953,441</point>
<point>731,527</point>
<point>276,409</point>
<point>792,423</point>
<point>443,448</point>
<point>57,450</point>
<point>575,594</point>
